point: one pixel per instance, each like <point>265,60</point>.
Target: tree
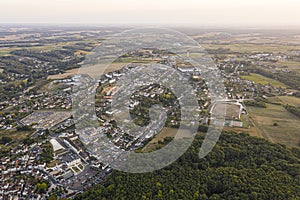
<point>239,167</point>
<point>5,140</point>
<point>42,188</point>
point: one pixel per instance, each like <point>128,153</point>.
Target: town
<point>44,155</point>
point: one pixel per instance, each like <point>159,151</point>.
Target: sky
<point>160,12</point>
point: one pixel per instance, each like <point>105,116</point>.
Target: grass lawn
<point>259,79</point>
<point>287,131</point>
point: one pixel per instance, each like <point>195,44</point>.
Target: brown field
<point>165,132</point>
<point>64,75</point>
<point>93,71</point>
<point>108,89</point>
<point>96,70</point>
<point>232,110</point>
<point>287,131</point>
<point>248,127</point>
<point>81,52</point>
<point>252,48</point>
<point>292,65</point>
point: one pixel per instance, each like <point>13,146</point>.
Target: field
<point>81,52</point>
<point>291,65</point>
<point>165,132</point>
<point>259,79</point>
<point>284,100</point>
<point>54,163</point>
<point>16,136</point>
<point>93,71</point>
<point>64,75</point>
<point>232,110</point>
<point>259,123</point>
<point>287,131</point>
<point>253,48</point>
<point>99,69</point>
<point>5,51</point>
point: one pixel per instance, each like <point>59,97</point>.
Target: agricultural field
<point>286,129</point>
<point>291,65</point>
<point>253,48</point>
<point>285,100</point>
<point>259,79</point>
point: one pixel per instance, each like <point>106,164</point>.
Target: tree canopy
<point>239,167</point>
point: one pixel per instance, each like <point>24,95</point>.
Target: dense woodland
<point>239,167</point>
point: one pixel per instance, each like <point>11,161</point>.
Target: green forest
<point>239,167</point>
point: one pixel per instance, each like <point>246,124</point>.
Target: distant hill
<point>239,167</point>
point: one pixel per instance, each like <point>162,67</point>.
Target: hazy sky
<point>188,12</point>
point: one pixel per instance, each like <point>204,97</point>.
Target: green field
<point>287,131</point>
<point>259,79</point>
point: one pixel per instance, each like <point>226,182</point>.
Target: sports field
<point>232,110</point>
